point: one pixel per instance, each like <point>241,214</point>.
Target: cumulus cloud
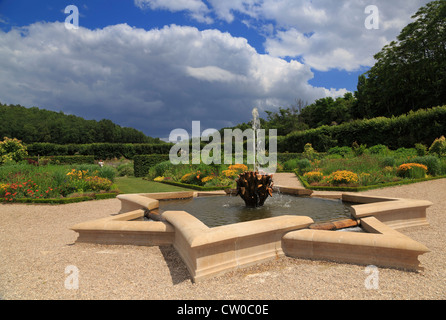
<point>155,80</point>
<point>323,34</point>
<point>197,9</point>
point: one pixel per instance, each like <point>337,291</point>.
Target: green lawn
<point>138,185</point>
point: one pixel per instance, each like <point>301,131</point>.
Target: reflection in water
<point>223,210</point>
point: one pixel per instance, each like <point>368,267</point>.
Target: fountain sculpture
<point>255,187</point>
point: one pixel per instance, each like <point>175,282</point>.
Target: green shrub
<point>438,147</point>
<point>379,150</point>
<point>143,163</point>
<point>126,169</point>
<point>388,162</point>
<point>358,150</point>
<point>431,162</point>
<point>12,150</point>
<point>342,151</point>
<point>303,165</point>
<point>421,149</point>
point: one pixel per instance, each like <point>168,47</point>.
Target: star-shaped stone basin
<point>210,251</point>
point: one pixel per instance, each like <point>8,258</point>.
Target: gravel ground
<point>37,248</point>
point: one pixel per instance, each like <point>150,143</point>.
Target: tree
<point>410,73</point>
<point>328,111</point>
<point>285,121</point>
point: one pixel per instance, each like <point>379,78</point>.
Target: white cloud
<point>155,80</point>
<point>197,9</point>
<point>339,38</point>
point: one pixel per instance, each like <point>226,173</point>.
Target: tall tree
<point>410,73</point>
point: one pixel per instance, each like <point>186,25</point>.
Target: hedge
<point>422,126</point>
<point>64,159</point>
<point>100,151</point>
<point>143,163</point>
<point>98,196</point>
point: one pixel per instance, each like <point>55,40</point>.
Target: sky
<point>158,65</point>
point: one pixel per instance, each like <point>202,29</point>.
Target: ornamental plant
<point>412,170</point>
<point>343,177</point>
<point>438,147</point>
<point>12,150</point>
<point>96,183</point>
<point>193,178</point>
<point>313,176</point>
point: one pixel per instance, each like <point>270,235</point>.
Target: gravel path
<point>36,247</point>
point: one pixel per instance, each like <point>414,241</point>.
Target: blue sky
<point>158,65</point>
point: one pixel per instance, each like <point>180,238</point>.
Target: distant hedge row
<point>422,126</point>
<point>62,160</point>
<point>98,150</point>
<point>142,163</point>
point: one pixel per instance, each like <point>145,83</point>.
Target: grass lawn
<point>138,185</point>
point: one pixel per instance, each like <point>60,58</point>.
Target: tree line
<point>409,75</point>
<point>38,125</point>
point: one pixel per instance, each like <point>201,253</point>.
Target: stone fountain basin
<point>208,252</point>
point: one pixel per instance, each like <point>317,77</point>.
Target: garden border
<point>364,188</point>
<point>98,196</point>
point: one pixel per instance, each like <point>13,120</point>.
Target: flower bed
<point>28,183</point>
<point>198,177</point>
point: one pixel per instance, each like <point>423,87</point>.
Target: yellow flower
<point>158,179</point>
<point>238,167</point>
<point>207,179</point>
<point>408,166</point>
<point>343,177</point>
<point>229,173</point>
<point>313,176</point>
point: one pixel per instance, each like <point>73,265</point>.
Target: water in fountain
<point>254,187</point>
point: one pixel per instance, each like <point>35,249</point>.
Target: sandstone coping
<point>209,252</point>
<point>149,201</point>
<point>396,213</point>
<point>382,246</point>
<point>121,230</point>
<point>293,191</point>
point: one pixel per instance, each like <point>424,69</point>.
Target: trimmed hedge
<point>98,196</point>
<point>100,151</point>
<point>64,159</point>
<point>194,187</point>
<point>143,163</point>
<point>422,126</point>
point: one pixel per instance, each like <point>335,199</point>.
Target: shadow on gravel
<point>177,268</point>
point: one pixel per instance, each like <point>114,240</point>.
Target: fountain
<point>252,186</point>
<point>242,240</point>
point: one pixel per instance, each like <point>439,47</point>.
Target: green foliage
<point>309,152</point>
<point>438,147</point>
<point>328,111</point>
<point>421,126</point>
<point>143,163</point>
<point>410,73</point>
<point>100,151</point>
<point>12,150</point>
<point>421,149</point>
<point>358,150</point>
<point>379,149</point>
<point>431,162</point>
<point>341,151</point>
<point>39,125</point>
<point>61,160</point>
<point>126,169</point>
